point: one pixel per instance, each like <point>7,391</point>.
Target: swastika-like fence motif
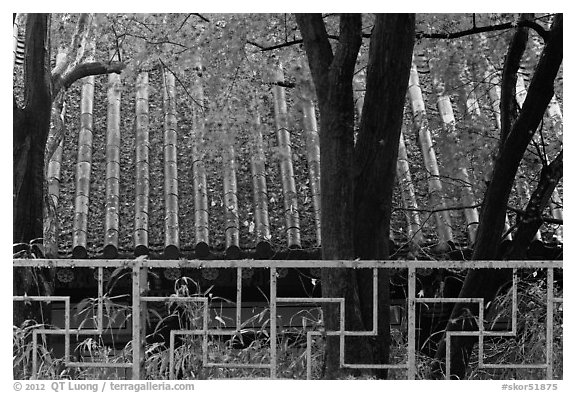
<point>139,299</point>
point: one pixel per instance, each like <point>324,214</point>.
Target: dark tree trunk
<point>357,184</point>
<point>531,220</point>
<point>30,132</point>
<point>332,75</point>
<point>28,177</point>
<point>376,154</point>
<point>31,125</point>
<point>508,105</point>
<point>485,283</point>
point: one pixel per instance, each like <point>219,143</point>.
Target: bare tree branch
<point>542,32</point>
<point>87,69</point>
<point>476,30</point>
<point>407,209</point>
<point>274,47</point>
<point>157,42</point>
<point>202,17</point>
<point>545,219</point>
<point>297,41</point>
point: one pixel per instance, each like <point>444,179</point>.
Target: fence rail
<point>139,300</point>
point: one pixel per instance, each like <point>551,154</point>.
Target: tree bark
<point>531,221</point>
<point>508,109</point>
<point>30,132</point>
<point>356,200</point>
<point>486,282</point>
<point>494,94</point>
<point>332,75</point>
<point>31,125</point>
<point>376,155</point>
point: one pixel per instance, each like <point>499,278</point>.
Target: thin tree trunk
<point>171,225</point>
<point>514,55</point>
<point>494,93</point>
<point>522,187</point>
<point>523,192</point>
<point>142,169</point>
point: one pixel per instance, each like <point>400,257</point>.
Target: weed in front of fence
<point>49,366</point>
<point>529,344</point>
<point>527,347</point>
<point>251,345</point>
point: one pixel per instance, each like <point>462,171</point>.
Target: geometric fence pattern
<point>139,268</point>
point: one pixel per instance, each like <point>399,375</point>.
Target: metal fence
<point>139,300</point>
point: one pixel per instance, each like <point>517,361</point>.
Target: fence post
<point>273,337</point>
<point>139,284</point>
<point>549,324</point>
<point>411,324</point>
